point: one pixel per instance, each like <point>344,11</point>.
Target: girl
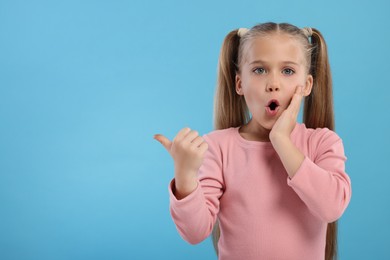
<point>275,186</point>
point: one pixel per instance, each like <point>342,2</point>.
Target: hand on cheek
<point>279,136</point>
<point>287,120</point>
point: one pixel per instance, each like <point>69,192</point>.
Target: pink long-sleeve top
<point>262,213</point>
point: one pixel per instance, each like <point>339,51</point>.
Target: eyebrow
<point>264,62</point>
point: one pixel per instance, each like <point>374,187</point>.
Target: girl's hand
<point>279,136</point>
<point>287,120</point>
<point>187,150</point>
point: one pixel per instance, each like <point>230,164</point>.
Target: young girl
<point>275,186</point>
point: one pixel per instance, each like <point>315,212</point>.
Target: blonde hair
<point>230,109</point>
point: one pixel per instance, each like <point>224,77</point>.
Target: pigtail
<point>318,109</point>
<point>318,112</point>
<point>230,109</point>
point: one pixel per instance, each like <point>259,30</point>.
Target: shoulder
<point>317,135</point>
<point>316,141</point>
<point>220,136</point>
<point>218,142</point>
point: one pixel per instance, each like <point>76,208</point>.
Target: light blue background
<point>84,85</point>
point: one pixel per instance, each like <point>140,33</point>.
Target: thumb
<point>164,141</point>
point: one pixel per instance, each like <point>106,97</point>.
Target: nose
<point>271,88</point>
<point>273,84</point>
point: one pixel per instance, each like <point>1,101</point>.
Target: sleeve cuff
<point>184,200</point>
<point>300,174</point>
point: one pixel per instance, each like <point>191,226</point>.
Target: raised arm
<point>320,182</point>
<point>194,202</point>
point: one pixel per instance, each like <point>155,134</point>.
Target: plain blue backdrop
<point>84,86</point>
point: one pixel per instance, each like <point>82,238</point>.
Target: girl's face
<point>272,68</point>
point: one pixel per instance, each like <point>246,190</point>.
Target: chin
<point>269,126</point>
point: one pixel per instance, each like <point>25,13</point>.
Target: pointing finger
<point>164,141</point>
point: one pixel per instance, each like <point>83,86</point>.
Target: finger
<point>191,136</point>
<point>295,103</point>
<point>203,147</point>
<point>182,133</point>
<point>197,141</point>
<point>164,141</point>
<point>299,90</point>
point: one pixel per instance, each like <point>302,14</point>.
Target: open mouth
<point>273,104</point>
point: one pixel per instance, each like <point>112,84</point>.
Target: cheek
<point>253,94</point>
<point>254,102</point>
<point>292,83</point>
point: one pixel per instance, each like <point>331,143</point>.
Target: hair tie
<point>307,31</point>
<point>242,31</point>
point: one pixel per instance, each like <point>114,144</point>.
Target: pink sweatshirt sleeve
<point>195,215</point>
<point>322,183</point>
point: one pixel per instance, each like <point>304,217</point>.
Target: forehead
<point>275,47</point>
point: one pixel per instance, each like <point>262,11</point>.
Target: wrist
<point>278,139</point>
<point>183,189</point>
<point>185,183</point>
<point>289,154</point>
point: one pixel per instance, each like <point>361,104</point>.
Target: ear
<point>239,85</point>
<point>308,85</point>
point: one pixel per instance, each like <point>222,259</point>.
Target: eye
<point>259,70</point>
<point>288,71</point>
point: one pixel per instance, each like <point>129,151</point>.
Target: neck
<point>254,132</point>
